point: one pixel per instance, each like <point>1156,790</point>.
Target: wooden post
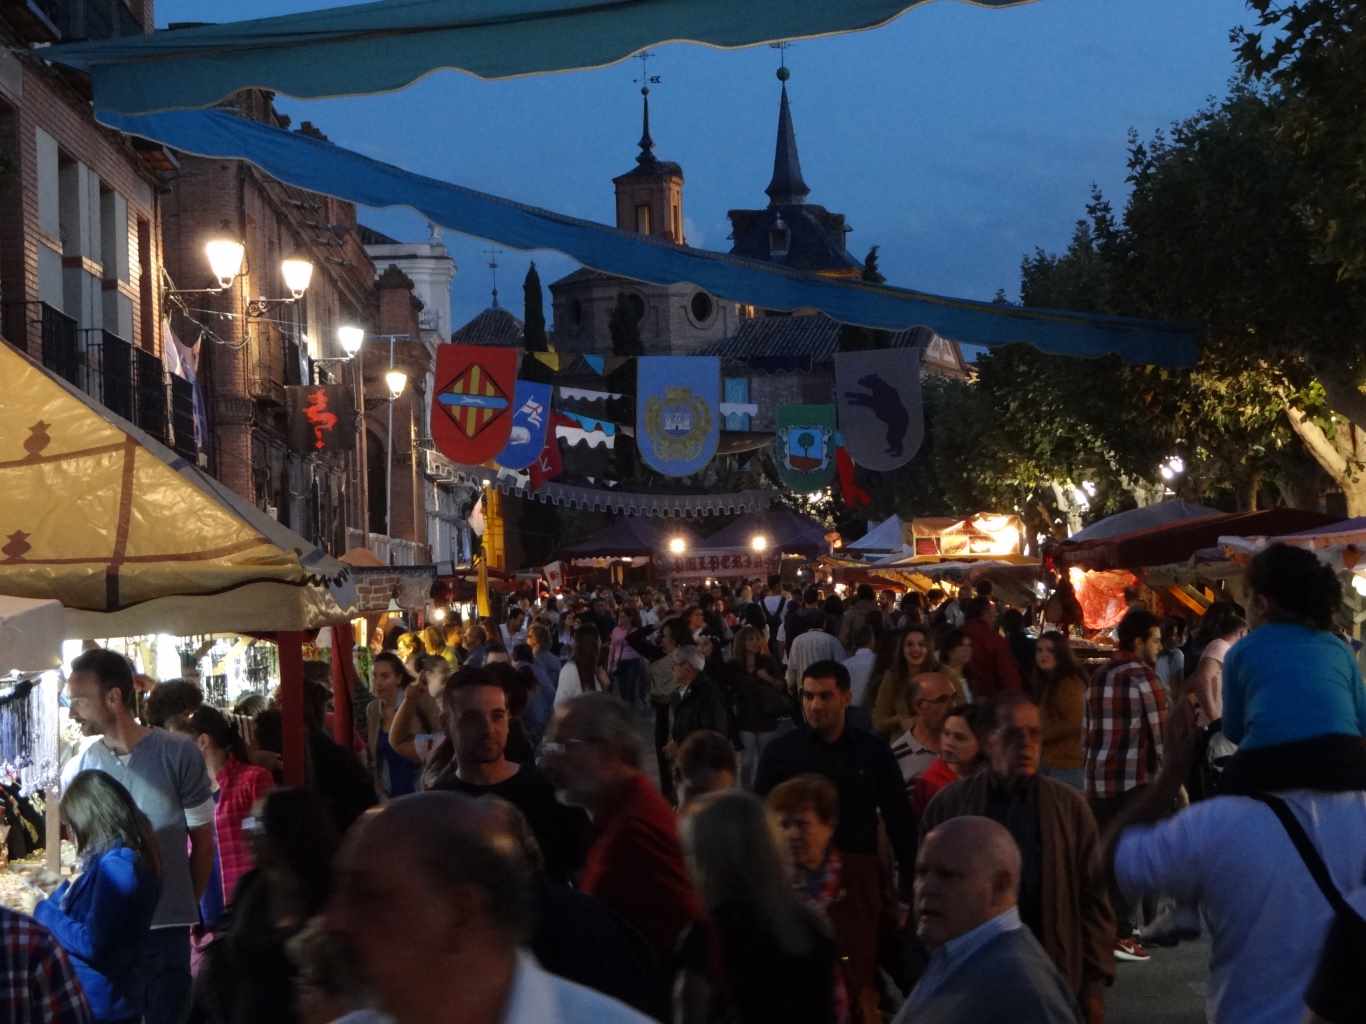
<point>342,675</point>
<point>52,820</point>
<point>292,706</point>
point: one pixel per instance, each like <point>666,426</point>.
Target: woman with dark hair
<point>239,785</point>
<point>247,978</point>
<point>762,955</point>
<point>1293,698</point>
<point>955,654</point>
<point>1223,625</point>
<point>394,774</point>
<point>905,655</point>
<point>103,915</point>
<point>583,672</point>
<point>962,750</point>
<point>1060,689</point>
<point>756,693</point>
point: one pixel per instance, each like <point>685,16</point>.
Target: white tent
<point>31,634</point>
<point>885,537</point>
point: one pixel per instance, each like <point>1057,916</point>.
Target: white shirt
<point>570,685</point>
<point>812,646</point>
<point>539,997</point>
<point>860,668</point>
<point>1267,919</point>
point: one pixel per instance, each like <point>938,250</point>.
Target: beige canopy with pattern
<point>131,537</point>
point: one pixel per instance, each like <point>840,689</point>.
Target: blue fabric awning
<point>319,166</point>
<point>383,46</point>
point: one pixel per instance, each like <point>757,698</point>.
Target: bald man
<point>436,897</point>
<point>985,966</point>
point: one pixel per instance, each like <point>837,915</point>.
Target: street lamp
<point>758,543</point>
<point>298,272</point>
<point>397,380</point>
<point>225,255</point>
<point>351,339</point>
<point>678,545</point>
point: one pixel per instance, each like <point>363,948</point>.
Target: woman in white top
<point>1223,626</point>
<point>583,672</point>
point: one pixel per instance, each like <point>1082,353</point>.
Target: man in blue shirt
<point>985,966</point>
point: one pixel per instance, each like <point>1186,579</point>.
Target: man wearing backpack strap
<point>1232,855</point>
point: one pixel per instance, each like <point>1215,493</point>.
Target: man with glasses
<point>932,694</point>
<point>1060,899</point>
<point>593,756</point>
<point>859,763</point>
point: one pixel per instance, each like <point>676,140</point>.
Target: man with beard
<point>435,899</point>
<point>635,864</point>
<point>477,716</point>
<point>1059,900</point>
<point>165,774</point>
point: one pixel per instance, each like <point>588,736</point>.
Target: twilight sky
<point>956,138</point>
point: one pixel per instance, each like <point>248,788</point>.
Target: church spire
<point>787,186</point>
<point>647,144</point>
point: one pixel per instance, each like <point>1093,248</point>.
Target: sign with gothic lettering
<point>678,422</point>
<point>322,419</point>
<point>530,422</point>
<point>721,563</point>
<point>472,406</point>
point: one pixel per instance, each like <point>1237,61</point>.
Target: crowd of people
<point>918,809</point>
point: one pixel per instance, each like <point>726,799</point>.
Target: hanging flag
<point>881,416</point>
<point>322,418</point>
<point>530,421</point>
<point>549,464</point>
<point>854,495</point>
<point>678,423</point>
<point>804,446</point>
<point>472,406</point>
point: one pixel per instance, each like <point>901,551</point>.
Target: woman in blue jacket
<point>102,916</point>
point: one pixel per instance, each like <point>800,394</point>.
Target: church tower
<point>650,195</point>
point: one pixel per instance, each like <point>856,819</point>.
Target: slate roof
<point>369,236</point>
<point>494,326</point>
<point>815,239</point>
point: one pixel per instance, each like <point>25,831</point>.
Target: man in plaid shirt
<point>37,983</point>
<point>1123,722</point>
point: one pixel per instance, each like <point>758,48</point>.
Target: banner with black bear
<point>880,411</point>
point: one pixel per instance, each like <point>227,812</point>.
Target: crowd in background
<point>731,804</point>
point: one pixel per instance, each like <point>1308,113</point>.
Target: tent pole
<point>292,705</point>
<point>342,724</point>
<point>52,821</point>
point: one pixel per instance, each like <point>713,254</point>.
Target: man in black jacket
<point>859,763</point>
<point>697,704</point>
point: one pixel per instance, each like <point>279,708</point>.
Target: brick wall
<point>33,98</point>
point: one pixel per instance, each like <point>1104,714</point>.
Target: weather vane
<point>493,255</point>
<point>646,79</point>
<point>782,48</point>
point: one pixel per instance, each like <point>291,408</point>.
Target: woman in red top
<point>239,785</point>
<point>962,750</point>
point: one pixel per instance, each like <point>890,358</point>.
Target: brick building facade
<point>80,223</point>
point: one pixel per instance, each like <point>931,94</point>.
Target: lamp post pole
<point>389,470</point>
<point>363,492</point>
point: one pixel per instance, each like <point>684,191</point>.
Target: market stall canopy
<point>1340,544</point>
<point>985,535</point>
<point>886,536</point>
<point>785,531</point>
<point>130,537</point>
<point>628,537</point>
<point>31,634</point>
<point>384,46</point>
<point>1147,518</point>
<point>1179,541</point>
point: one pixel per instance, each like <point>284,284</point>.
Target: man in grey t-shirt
<point>166,776</point>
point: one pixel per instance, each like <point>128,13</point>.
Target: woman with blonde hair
<point>432,641</point>
<point>906,654</point>
<point>761,954</point>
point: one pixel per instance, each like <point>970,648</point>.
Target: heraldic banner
<point>804,447</point>
<point>678,420</point>
<point>322,418</point>
<point>472,407</point>
<point>530,421</point>
<point>880,411</point>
